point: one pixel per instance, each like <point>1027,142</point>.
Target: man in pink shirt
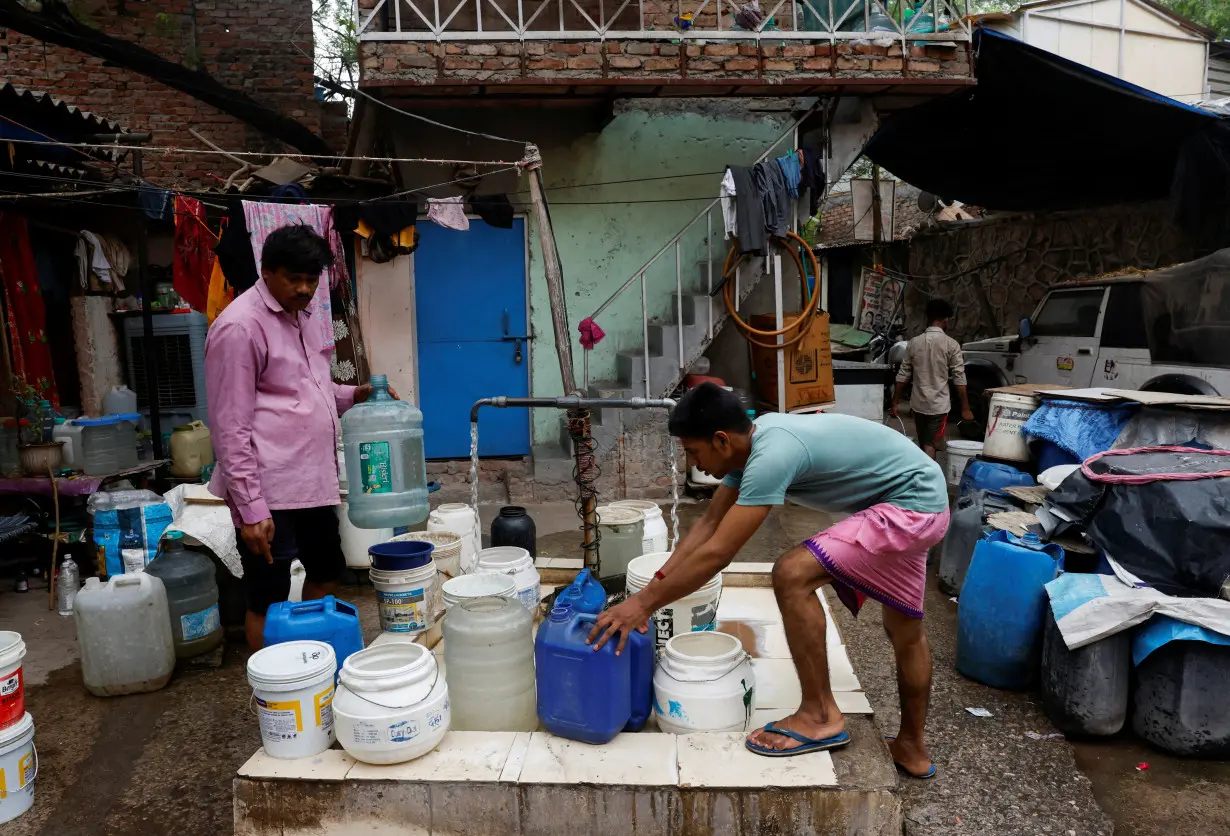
<point>273,415</point>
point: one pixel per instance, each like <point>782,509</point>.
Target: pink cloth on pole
<point>591,333</point>
<point>880,553</point>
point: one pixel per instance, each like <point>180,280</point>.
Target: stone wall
<point>995,271</point>
<point>421,62</point>
<point>249,47</point>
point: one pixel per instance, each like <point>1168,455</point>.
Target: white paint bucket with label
<point>392,703</point>
<point>292,685</point>
<point>515,561</point>
<point>1005,439</point>
<point>18,769</point>
<point>704,682</point>
<point>693,613</point>
<point>960,453</point>
<point>12,689</point>
<point>403,598</point>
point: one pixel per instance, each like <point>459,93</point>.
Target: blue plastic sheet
<point>1081,429</point>
<point>1162,629</point>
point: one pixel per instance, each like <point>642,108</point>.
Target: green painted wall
<point>606,232</point>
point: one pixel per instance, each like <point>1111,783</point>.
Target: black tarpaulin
<point>1038,133</point>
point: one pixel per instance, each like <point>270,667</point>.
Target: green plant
<point>29,410</point>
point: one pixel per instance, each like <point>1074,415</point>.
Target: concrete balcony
<point>501,48</point>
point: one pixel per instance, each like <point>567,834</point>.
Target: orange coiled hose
<point>801,325</point>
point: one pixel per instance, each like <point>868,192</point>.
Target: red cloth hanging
<point>194,253</point>
<point>25,317</point>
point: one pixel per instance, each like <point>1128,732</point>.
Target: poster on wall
<point>879,300</point>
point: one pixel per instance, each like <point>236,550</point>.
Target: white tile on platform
<point>739,602</point>
<point>841,672</point>
<point>638,759</point>
<point>748,569</point>
<point>516,758</point>
<point>329,765</point>
<point>777,684</point>
<point>853,702</point>
<point>461,756</point>
<point>722,760</point>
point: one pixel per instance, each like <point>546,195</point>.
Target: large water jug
<point>192,596</point>
<point>489,665</point>
<point>324,620</point>
<point>191,449</point>
<point>1085,691</point>
<point>120,400</point>
<point>587,695</point>
<point>1180,701</point>
<point>999,621</point>
<point>386,473</point>
<point>462,520</point>
<point>992,476</point>
<point>124,633</point>
<point>100,445</point>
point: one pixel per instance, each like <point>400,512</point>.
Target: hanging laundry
<point>234,249</point>
<point>92,259</point>
<point>119,257</point>
<point>591,333</point>
<point>220,293</point>
<point>749,212</point>
<point>25,312</point>
<point>495,209</point>
<point>349,362</point>
<point>264,218</point>
<point>155,202</point>
<point>389,217</point>
<point>289,190</point>
<point>770,185</point>
<point>448,213</point>
<point>194,254</point>
<point>730,217</point>
<point>791,170</point>
<point>813,178</point>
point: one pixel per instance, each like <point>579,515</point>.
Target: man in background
<point>933,361</point>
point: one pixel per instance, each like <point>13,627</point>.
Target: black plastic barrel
<point>1085,691</point>
<point>514,527</point>
<point>967,528</point>
<point>1181,704</point>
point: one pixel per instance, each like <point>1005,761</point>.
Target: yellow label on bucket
<point>25,768</point>
<point>280,720</point>
<point>324,708</point>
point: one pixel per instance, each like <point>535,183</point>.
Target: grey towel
<point>774,196</point>
<point>749,211</point>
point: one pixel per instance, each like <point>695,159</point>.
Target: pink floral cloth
<point>880,553</point>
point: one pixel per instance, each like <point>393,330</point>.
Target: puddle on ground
<point>749,631</point>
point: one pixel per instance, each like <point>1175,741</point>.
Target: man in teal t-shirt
<point>898,504</point>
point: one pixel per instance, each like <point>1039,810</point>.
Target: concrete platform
<point>643,783</point>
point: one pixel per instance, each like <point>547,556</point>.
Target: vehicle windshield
<point>1069,313</point>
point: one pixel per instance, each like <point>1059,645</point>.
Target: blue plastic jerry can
<point>992,476</point>
<point>325,620</point>
<point>1003,607</point>
<point>585,594</point>
<point>590,695</point>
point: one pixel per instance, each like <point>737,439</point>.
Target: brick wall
<point>247,46</point>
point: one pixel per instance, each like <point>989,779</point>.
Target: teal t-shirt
<point>837,463</point>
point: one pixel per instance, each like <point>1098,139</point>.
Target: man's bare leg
<point>913,656</point>
<point>316,591</point>
<point>796,577</point>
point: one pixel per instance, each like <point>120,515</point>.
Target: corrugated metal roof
<point>47,105</point>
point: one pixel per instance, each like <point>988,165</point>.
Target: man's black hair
<point>938,309</point>
<point>706,410</point>
<point>298,248</point>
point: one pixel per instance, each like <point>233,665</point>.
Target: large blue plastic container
<point>1003,604</point>
<point>324,620</point>
<point>586,695</point>
<point>584,594</point>
<point>992,476</point>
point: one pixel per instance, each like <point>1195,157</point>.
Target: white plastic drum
<point>515,561</point>
<point>356,541</point>
<point>403,598</point>
<point>292,685</point>
<point>656,538</point>
<point>694,613</point>
<point>18,769</point>
<point>1005,439</point>
<point>704,682</point>
<point>960,453</point>
<point>391,704</point>
<point>461,520</point>
<point>478,585</point>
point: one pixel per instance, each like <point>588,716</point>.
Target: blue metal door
<point>470,301</point>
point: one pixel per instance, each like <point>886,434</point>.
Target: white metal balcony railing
<point>807,20</point>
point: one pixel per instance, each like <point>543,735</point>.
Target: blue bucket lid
<point>418,552</point>
<point>107,420</point>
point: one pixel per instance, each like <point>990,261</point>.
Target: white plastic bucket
<point>12,687</point>
<point>690,614</point>
<point>403,598</point>
<point>959,455</point>
<point>478,585</point>
<point>18,768</point>
<point>1008,414</point>
<point>391,704</point>
<point>446,555</point>
<point>292,684</point>
<point>656,537</point>
<point>461,520</point>
<point>704,682</point>
<point>356,541</point>
<point>515,561</point>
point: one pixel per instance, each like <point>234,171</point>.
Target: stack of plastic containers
<point>109,443</point>
<point>18,764</point>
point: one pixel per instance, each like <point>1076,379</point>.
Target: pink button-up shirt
<point>273,408</point>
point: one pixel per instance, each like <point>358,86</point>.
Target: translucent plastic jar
<point>386,473</point>
<point>192,596</point>
<point>489,666</point>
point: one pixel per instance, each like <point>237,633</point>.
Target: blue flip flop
<point>923,776</point>
<point>808,744</point>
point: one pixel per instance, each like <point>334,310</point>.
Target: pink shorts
<point>880,553</point>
